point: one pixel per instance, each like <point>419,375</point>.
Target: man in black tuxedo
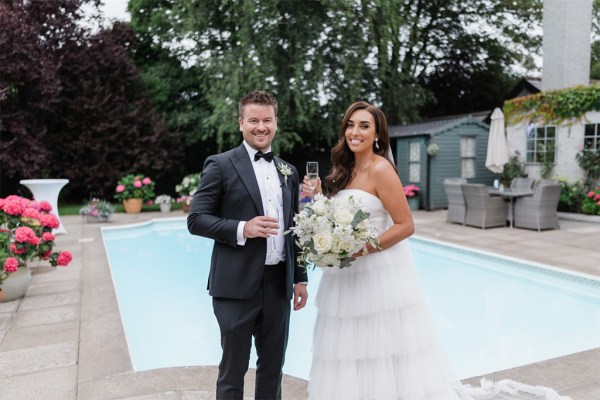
<point>246,200</point>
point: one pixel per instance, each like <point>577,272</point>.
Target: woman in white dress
<point>373,337</point>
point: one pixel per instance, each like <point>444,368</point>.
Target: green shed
<point>461,143</point>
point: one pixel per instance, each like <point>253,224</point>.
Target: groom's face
<point>258,125</point>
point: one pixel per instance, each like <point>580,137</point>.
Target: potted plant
<point>25,235</point>
<point>186,190</point>
<point>97,210</point>
<point>164,201</point>
<point>412,195</point>
<point>133,191</point>
<point>186,203</point>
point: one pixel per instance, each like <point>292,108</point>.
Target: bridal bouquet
<point>330,230</point>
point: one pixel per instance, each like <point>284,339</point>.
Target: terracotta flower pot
<point>133,206</point>
<point>186,207</point>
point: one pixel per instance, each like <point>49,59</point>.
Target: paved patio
<point>64,340</point>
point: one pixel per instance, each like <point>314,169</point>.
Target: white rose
<point>319,207</point>
<point>340,246</point>
<point>322,242</point>
<point>343,216</point>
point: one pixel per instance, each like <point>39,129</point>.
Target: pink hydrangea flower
<point>29,213</point>
<point>146,181</point>
<point>1,203</point>
<point>137,184</point>
<point>13,206</point>
<point>45,206</point>
<point>591,194</point>
<point>48,237</point>
<point>46,255</point>
<point>16,249</point>
<point>64,258</point>
<point>25,234</point>
<point>11,265</point>
<point>120,188</point>
<point>50,221</point>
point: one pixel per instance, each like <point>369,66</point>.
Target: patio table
<point>510,194</point>
<point>47,189</point>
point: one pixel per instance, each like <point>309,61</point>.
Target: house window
<point>541,143</point>
<point>414,162</point>
<point>591,137</point>
<point>467,157</point>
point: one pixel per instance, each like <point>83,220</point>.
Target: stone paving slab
<point>103,349</point>
<point>53,384</point>
<point>28,360</point>
<point>54,287</point>
<point>50,300</point>
<point>186,382</point>
<point>25,318</point>
<point>40,335</point>
<point>5,320</point>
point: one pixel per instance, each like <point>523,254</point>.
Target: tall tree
<point>72,103</point>
<point>595,61</point>
<point>322,55</point>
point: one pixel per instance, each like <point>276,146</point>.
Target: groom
<point>246,200</point>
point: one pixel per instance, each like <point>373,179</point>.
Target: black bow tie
<point>267,156</point>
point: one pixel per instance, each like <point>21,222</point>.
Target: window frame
<point>533,151</point>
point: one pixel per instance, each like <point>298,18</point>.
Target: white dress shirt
<point>272,201</point>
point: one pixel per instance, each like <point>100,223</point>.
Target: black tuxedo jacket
<point>229,193</point>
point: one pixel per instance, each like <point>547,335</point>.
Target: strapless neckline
<point>362,191</point>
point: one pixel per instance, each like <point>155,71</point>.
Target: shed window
<point>591,137</point>
<point>467,157</point>
<point>414,162</point>
<point>541,143</point>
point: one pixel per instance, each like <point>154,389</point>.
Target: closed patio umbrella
<point>497,155</point>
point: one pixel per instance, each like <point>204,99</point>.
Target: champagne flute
<point>312,172</point>
<point>273,212</point>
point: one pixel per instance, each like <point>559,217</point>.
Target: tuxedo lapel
<point>286,194</point>
<point>243,166</point>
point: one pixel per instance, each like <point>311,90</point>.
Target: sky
<point>116,9</point>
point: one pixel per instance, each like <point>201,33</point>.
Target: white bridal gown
<point>374,339</point>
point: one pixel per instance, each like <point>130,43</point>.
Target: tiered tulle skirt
<point>374,339</point>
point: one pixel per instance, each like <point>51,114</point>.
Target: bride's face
<point>360,131</point>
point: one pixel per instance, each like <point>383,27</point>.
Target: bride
<point>373,337</point>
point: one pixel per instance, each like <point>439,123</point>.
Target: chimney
<point>566,43</point>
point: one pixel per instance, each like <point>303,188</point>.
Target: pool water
<point>491,313</point>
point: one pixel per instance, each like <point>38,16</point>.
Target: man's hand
<point>300,296</point>
<point>261,227</point>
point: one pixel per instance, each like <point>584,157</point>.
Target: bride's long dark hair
<point>342,158</point>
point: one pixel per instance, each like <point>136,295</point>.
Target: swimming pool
<point>491,313</point>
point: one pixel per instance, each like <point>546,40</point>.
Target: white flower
<point>285,170</point>
<point>320,205</point>
<point>322,242</point>
<point>343,216</point>
<point>330,231</point>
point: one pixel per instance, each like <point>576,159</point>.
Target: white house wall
<point>569,143</point>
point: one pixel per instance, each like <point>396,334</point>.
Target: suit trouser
<point>265,316</point>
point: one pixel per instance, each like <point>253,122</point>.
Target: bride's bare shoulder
<point>382,165</point>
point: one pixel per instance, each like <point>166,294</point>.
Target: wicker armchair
<point>540,210</point>
<point>457,209</point>
<point>483,210</point>
<point>521,183</point>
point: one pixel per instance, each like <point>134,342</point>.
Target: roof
<point>438,125</point>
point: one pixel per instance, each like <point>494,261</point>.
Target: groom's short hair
<point>261,97</point>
